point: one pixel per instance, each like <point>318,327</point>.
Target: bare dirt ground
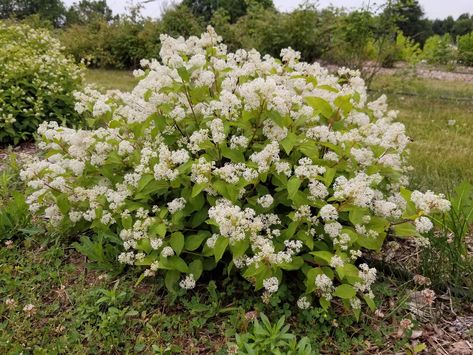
<point>423,71</point>
<point>27,148</point>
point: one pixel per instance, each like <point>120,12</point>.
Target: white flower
<point>176,205</point>
<point>265,201</point>
<point>271,284</point>
<point>328,213</point>
<point>423,224</point>
<point>217,130</point>
<point>336,261</point>
<point>303,303</point>
<point>430,202</point>
<point>325,285</point>
<point>125,147</point>
<point>333,229</point>
<point>238,142</point>
<point>188,282</point>
<point>167,251</point>
<point>156,243</point>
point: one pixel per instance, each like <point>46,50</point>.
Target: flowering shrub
<point>279,169</point>
<point>36,82</point>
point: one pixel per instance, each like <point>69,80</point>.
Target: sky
<point>432,8</point>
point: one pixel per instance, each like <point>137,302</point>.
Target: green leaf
<point>184,74</point>
<point>233,154</point>
<point>370,302</point>
<point>345,291</point>
<point>310,278</point>
<point>176,263</point>
<point>320,105</point>
<point>195,240</point>
<point>323,257</point>
<point>220,246</point>
<point>199,217</point>
<point>293,186</point>
<point>324,303</point>
<point>197,188</point>
<point>159,229</point>
<point>344,103</point>
<point>239,248</point>
<point>171,279</point>
<point>177,242</point>
<point>295,264</point>
<point>289,142</point>
<point>196,267</point>
<point>405,229</point>
<point>329,176</point>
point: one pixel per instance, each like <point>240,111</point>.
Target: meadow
<point>91,308</point>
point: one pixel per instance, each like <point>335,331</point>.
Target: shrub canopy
<point>273,168</point>
<point>36,82</point>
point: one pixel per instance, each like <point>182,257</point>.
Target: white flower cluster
<point>207,140</point>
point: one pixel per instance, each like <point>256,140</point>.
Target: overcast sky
<point>432,8</point>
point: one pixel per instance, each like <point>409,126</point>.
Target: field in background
<point>440,153</point>
<point>110,79</point>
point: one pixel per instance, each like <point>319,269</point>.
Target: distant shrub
<point>465,48</point>
<point>272,168</point>
<point>36,82</point>
<point>439,50</point>
<point>408,50</point>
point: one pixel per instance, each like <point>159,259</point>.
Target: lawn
<point>79,307</point>
<point>440,153</point>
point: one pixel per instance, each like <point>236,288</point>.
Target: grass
<point>83,311</point>
<point>111,79</point>
<point>441,155</point>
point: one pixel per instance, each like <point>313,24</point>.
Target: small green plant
<point>265,338</point>
<point>101,250</point>
<point>408,50</point>
<point>15,218</point>
<point>439,50</point>
<point>36,82</point>
<point>447,261</point>
<point>465,48</point>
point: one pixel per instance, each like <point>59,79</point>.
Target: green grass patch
<point>111,79</point>
<point>441,154</point>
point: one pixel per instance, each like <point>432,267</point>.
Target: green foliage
<point>410,19</point>
<point>439,50</point>
<point>86,11</point>
<point>101,250</point>
<point>265,338</point>
<point>48,10</point>
<point>409,51</point>
<point>465,48</point>
<point>124,42</point>
<point>36,82</point>
<point>14,217</point>
<point>447,261</point>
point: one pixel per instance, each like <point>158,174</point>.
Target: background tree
<point>410,20</point>
<point>53,11</point>
<point>441,27</point>
<point>463,25</point>
<point>86,11</point>
<point>234,8</point>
